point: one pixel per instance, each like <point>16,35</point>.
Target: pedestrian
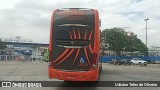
<point>34,58</point>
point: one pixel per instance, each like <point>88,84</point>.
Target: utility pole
<point>146,29</point>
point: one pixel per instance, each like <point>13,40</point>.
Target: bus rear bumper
<point>73,76</point>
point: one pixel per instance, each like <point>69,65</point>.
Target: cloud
<point>31,18</point>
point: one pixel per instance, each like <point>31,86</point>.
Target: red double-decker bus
<point>74,45</point>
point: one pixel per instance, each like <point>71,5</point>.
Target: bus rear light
<point>94,58</point>
<point>94,66</point>
<point>94,62</point>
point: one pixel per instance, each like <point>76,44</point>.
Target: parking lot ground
<point>153,65</point>
<point>37,71</point>
<point>130,73</point>
<point>24,71</point>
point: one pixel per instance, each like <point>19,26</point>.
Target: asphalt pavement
<point>37,71</point>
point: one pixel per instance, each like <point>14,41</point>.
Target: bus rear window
<point>76,25</point>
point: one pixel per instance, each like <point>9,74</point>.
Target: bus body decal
<point>79,34</point>
<point>90,47</point>
<point>76,56</point>
<point>90,35</point>
<point>85,35</point>
<point>74,34</point>
<point>61,55</point>
<point>65,57</point>
<point>70,34</point>
<point>85,51</point>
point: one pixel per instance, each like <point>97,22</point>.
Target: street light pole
<point>146,29</point>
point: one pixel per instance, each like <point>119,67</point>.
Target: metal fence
<point>19,58</point>
<point>7,57</point>
<point>11,57</point>
<point>110,58</point>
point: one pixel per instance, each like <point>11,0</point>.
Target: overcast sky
<point>30,19</point>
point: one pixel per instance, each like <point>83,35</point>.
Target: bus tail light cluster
<point>94,64</point>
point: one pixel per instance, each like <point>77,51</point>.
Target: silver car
<point>138,61</point>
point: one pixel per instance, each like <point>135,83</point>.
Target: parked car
<point>115,62</point>
<point>157,61</point>
<point>149,62</point>
<point>138,61</point>
<point>127,61</point>
<point>119,62</point>
<point>153,61</point>
<point>123,61</point>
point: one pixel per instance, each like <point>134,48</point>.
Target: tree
<point>46,55</point>
<point>2,45</point>
<point>135,44</point>
<point>116,39</point>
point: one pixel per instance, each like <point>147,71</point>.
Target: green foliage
<point>116,39</point>
<point>2,45</point>
<point>46,55</point>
